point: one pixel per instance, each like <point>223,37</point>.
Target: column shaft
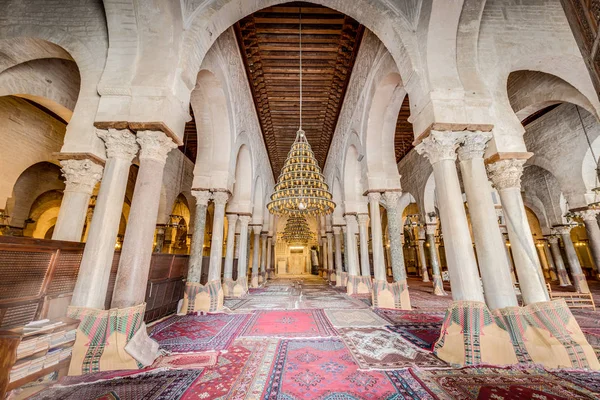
<point>363,227</point>
<point>216,243</point>
<point>395,235</point>
<point>228,270</point>
<point>551,265</point>
<point>269,256</point>
<point>438,283</point>
<point>422,260</point>
<point>197,245</point>
<point>350,245</point>
<point>330,262</point>
<point>376,237</point>
<point>593,233</point>
<point>243,248</point>
<point>563,276</point>
<point>255,254</point>
<point>574,265</point>
<point>338,250</point>
<point>263,255</point>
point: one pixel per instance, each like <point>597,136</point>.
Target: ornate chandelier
<point>297,230</point>
<point>301,187</point>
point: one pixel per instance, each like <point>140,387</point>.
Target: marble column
<point>593,233</point>
<point>438,284</point>
<point>440,148</point>
<point>509,256</point>
<point>94,271</point>
<point>493,265</point>
<point>230,246</point>
<point>572,259</point>
<point>363,228</point>
<point>561,271</point>
<point>255,255</point>
<point>243,250</point>
<point>539,245</point>
<point>549,259</point>
<point>350,244</point>
<point>81,176</point>
<point>263,258</point>
<point>324,257</point>
<point>376,236</point>
<point>421,255</point>
<point>134,264</point>
<point>197,246</point>
<point>160,238</point>
<point>330,259</point>
<point>216,244</point>
<point>506,176</point>
<point>269,257</point>
<point>395,234</point>
<point>338,254</point>
<point>345,244</point>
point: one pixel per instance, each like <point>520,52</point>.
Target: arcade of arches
<point>142,142</point>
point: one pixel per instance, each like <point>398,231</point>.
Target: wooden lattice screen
<point>37,278</point>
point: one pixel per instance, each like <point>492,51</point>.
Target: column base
<point>261,278</point>
<point>254,282</point>
<point>102,338</point>
<point>563,277</point>
<point>240,288</point>
<point>271,274</point>
<point>546,333</point>
<point>553,276</point>
<point>228,284</point>
<point>358,284</point>
<point>341,279</point>
<point>471,336</point>
<point>391,295</point>
<point>438,286</point>
<point>580,283</point>
<point>332,276</point>
<point>198,297</point>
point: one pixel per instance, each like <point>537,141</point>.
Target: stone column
<point>395,235</point>
<point>262,277</point>
<point>509,256</point>
<point>330,262</point>
<point>270,257</point>
<point>229,250</point>
<point>338,255</point>
<point>506,176</point>
<point>94,272</point>
<point>438,284</point>
<point>81,176</point>
<point>216,244</point>
<point>593,233</point>
<point>243,255</point>
<point>561,271</point>
<point>160,238</point>
<point>134,264</point>
<point>578,277</point>
<point>421,255</point>
<point>197,246</point>
<point>351,244</point>
<point>376,236</point>
<point>539,245</point>
<point>551,265</point>
<point>363,227</point>
<point>345,234</point>
<point>493,265</point>
<point>255,255</point>
<point>440,149</point>
<point>324,258</point>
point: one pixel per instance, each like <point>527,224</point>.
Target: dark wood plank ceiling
<point>403,140</point>
<point>269,43</point>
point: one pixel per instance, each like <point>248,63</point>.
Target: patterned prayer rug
<point>232,302</point>
<point>187,333</point>
<point>160,385</point>
<point>290,323</point>
<point>422,335</point>
<point>267,303</point>
<point>338,302</point>
<point>586,318</point>
<point>378,348</point>
<point>587,379</point>
<point>401,317</point>
<point>323,369</point>
<point>104,376</point>
<point>186,361</point>
<point>593,337</point>
<point>499,383</point>
<point>354,318</point>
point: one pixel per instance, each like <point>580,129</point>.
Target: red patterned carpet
<point>279,343</point>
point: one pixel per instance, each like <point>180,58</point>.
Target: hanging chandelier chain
<point>300,34</point>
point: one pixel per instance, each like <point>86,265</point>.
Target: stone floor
<point>299,338</point>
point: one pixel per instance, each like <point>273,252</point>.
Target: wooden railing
<point>37,278</point>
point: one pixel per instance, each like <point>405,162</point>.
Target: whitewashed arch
<point>241,200</point>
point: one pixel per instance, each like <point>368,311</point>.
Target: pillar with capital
<point>376,236</point>
<point>549,259</point>
<point>572,259</point>
<point>337,230</point>
<point>197,245</point>
<point>363,228</point>
<point>506,177</point>
<point>356,283</point>
<point>254,282</point>
<point>262,277</point>
<point>540,244</point>
<point>438,284</point>
<point>228,282</point>
<point>330,259</point>
<point>561,271</point>
<point>421,254</point>
<point>241,286</point>
<point>270,269</point>
<point>493,265</point>
<point>592,229</point>
<point>81,176</point>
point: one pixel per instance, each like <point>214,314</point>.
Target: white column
<point>338,250</point>
<point>395,235</point>
<point>440,149</point>
<point>160,238</point>
<point>350,244</point>
<point>576,272</point>
<point>81,176</point>
<point>438,283</point>
<point>593,233</point>
<point>345,238</point>
<point>263,257</point>
<point>491,254</point>
<point>549,258</point>
<point>228,270</point>
<point>376,236</point>
<point>134,264</point>
<point>255,254</point>
<point>94,272</point>
<point>363,228</point>
<point>269,256</point>
<point>324,257</point>
<point>243,248</point>
<point>422,259</point>
<point>506,176</point>
<point>197,245</point>
<point>216,243</point>
<point>563,276</point>
<point>539,245</point>
<point>330,261</point>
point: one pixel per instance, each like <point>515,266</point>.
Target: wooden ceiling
<point>269,43</point>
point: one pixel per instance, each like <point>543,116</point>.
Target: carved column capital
<point>329,235</point>
<point>553,239</point>
<point>473,145</point>
<point>232,219</point>
<point>256,229</point>
<point>374,197</point>
<point>263,235</point>
<point>562,229</point>
<point>440,145</point>
<point>244,221</point>
<point>506,174</point>
<point>588,215</point>
<point>81,175</point>
<point>120,143</point>
<point>154,145</point>
<point>362,218</point>
<point>391,199</point>
<point>220,198</point>
<point>351,219</point>
<point>337,230</point>
<point>202,197</point>
<point>430,229</point>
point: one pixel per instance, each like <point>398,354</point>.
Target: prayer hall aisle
<point>299,338</point>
